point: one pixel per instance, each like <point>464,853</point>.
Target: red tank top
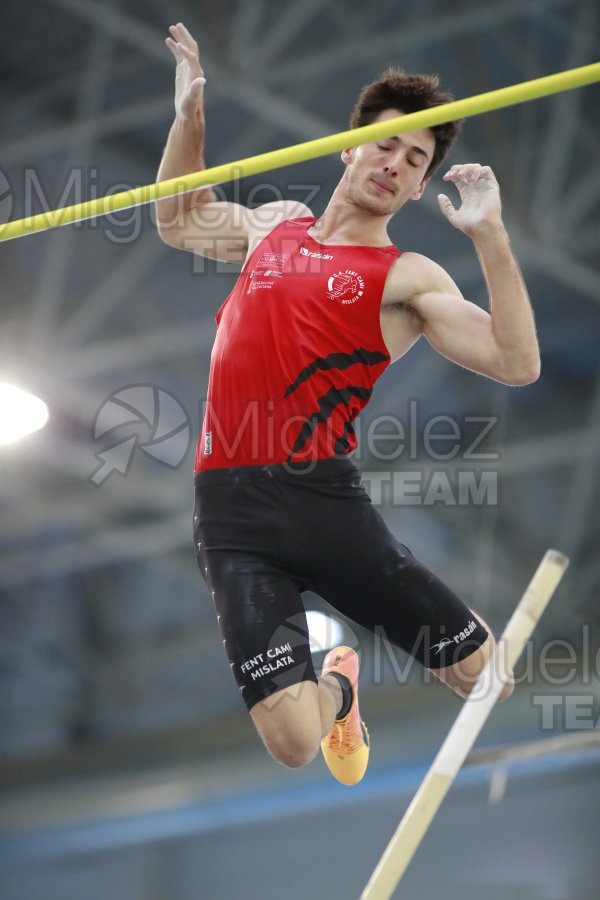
<point>297,352</point>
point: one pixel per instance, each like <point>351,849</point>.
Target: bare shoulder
<point>266,217</point>
<point>413,274</point>
<point>224,230</point>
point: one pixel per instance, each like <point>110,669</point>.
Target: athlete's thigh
<point>262,622</point>
<point>363,571</point>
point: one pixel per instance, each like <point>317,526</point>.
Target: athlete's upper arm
<point>457,328</point>
<point>225,231</point>
<point>217,229</point>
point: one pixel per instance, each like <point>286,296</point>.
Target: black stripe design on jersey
<point>327,403</point>
<point>337,361</point>
<point>342,444</point>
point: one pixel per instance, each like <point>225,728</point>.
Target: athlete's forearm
<point>513,321</point>
<point>183,154</point>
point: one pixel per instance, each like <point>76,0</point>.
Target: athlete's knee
<point>292,750</point>
<point>464,675</point>
<point>290,728</point>
<point>489,647</point>
<point>480,659</point>
<point>507,677</point>
<point>507,689</point>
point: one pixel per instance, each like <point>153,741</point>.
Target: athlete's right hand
<point>189,75</point>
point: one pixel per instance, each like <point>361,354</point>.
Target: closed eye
<point>412,162</point>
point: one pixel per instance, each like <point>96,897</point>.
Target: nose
<point>392,166</point>
<point>395,161</point>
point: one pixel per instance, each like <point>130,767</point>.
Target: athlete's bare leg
<point>292,721</point>
<point>463,676</point>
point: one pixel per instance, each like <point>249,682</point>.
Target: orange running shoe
<point>346,747</point>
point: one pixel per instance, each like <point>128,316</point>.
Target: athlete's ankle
<point>346,689</point>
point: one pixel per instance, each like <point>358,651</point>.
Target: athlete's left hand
<point>480,207</point>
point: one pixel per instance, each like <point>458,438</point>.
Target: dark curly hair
<point>396,89</point>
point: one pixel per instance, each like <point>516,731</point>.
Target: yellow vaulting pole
<point>334,143</point>
<point>463,733</point>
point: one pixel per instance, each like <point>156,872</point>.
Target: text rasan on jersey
<point>456,638</point>
<point>305,252</point>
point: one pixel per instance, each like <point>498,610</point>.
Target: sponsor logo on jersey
<point>346,287</point>
<point>273,259</point>
<point>305,252</point>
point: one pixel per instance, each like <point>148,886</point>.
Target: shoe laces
<point>346,737</point>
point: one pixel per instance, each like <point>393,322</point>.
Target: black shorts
<point>264,534</point>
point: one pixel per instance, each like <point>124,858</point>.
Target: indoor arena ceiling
<point>107,630</point>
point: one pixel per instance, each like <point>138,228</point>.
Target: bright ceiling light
<point>20,413</point>
<point>324,631</point>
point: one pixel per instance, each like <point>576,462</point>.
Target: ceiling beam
<point>48,139</point>
<point>58,254</point>
<point>136,265</point>
<point>563,131</point>
<point>407,39</point>
<point>287,25</point>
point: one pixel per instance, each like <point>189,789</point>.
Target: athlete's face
<point>381,176</point>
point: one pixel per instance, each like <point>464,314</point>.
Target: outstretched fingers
<point>182,52</point>
<point>175,49</point>
<point>468,173</point>
<point>186,35</point>
<point>184,48</point>
<point>181,36</point>
<point>480,205</point>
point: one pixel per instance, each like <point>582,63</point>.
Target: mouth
<point>383,188</point>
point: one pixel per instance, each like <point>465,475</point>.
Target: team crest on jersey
<point>346,287</point>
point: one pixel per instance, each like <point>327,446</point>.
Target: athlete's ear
<point>419,192</point>
<point>347,155</point>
